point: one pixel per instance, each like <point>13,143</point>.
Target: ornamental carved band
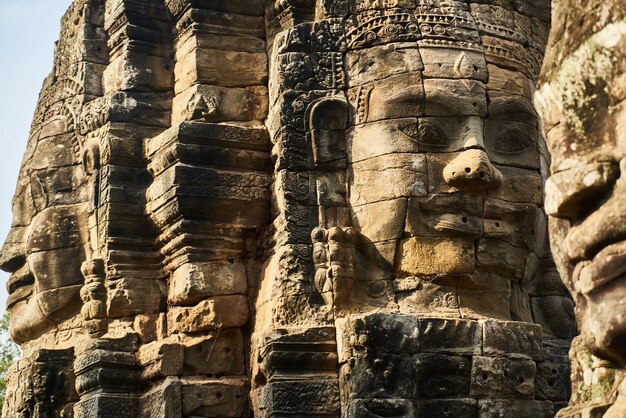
<point>300,208</point>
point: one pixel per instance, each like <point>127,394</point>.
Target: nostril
<point>468,170</point>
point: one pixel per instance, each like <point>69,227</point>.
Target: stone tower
<point>288,208</point>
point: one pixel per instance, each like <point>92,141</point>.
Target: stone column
<point>208,197</point>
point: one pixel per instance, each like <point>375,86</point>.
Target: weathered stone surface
<point>503,378</point>
<point>319,397</point>
<point>160,359</point>
<point>367,65</point>
<point>450,336</point>
<point>513,339</point>
<point>193,283</point>
<point>295,208</point>
<point>426,256</point>
<point>213,313</point>
<point>219,353</point>
<point>380,407</point>
<point>581,111</point>
<point>214,397</point>
<point>441,376</point>
<point>440,408</point>
<point>514,409</point>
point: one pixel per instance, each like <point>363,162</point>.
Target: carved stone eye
<point>432,135</point>
<point>512,141</point>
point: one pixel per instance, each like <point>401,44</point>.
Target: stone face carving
<point>259,208</point>
<point>583,113</point>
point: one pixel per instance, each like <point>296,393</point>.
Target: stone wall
<point>288,208</point>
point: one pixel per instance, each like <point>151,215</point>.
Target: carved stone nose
<point>472,170</point>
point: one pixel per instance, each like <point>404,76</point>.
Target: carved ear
<point>91,158</point>
<point>327,123</point>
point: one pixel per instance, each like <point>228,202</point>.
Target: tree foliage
<point>9,352</point>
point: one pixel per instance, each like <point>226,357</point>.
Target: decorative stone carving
<point>583,112</point>
<point>292,207</point>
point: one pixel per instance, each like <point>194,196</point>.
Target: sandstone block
<point>381,138</point>
<point>514,223</point>
<point>504,106</point>
<point>511,82</point>
<point>360,35</point>
<point>555,314</point>
<point>454,63</point>
<point>440,134</point>
<point>367,218</point>
<point>519,186</point>
<point>197,39</point>
<point>395,97</point>
<point>378,333</point>
<point>218,104</point>
<point>485,295</point>
<point>417,296</point>
<point>128,296</point>
<point>359,408</point>
<point>500,258</point>
<point>302,397</point>
<point>426,256</point>
<point>219,353</point>
<point>106,404</point>
<point>553,381</point>
<point>442,376</point>
<point>512,143</point>
<point>451,336</point>
<point>443,408</point>
<point>367,65</point>
<point>372,181</point>
<point>163,401</point>
<point>133,71</point>
<point>502,378</point>
<point>318,36</point>
<point>160,359</point>
<point>379,375</point>
<point>227,397</point>
<point>437,163</point>
<point>222,68</point>
<point>497,408</point>
<point>191,283</point>
<point>214,313</point>
<point>437,215</point>
<point>446,97</point>
<point>513,339</point>
<point>227,18</point>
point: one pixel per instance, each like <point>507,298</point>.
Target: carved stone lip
<point>20,294</point>
<point>22,277</point>
<point>609,264</point>
<point>459,225</point>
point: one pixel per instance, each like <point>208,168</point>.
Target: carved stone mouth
<point>609,264</point>
<point>19,294</point>
<point>22,277</point>
<point>463,225</point>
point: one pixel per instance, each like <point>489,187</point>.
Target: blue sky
<point>28,30</point>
